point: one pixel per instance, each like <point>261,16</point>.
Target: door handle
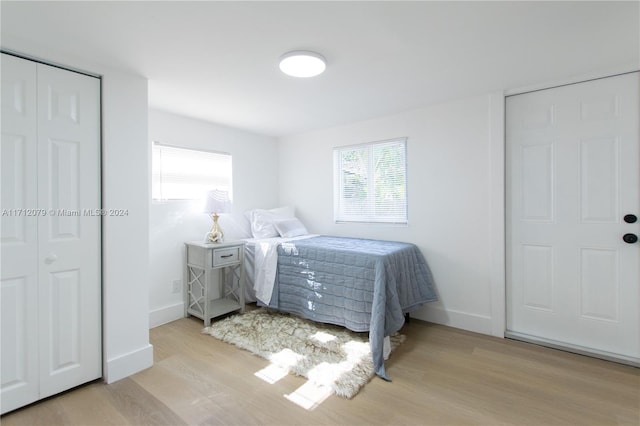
<point>630,218</point>
<point>50,259</point>
<point>630,238</point>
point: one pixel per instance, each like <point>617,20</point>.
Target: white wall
<point>125,245</point>
<point>255,184</point>
<point>450,197</point>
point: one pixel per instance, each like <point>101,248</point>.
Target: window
<point>370,182</point>
<point>187,174</point>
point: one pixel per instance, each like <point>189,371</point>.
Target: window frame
<point>340,216</point>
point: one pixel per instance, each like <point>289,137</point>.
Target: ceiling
<point>218,61</point>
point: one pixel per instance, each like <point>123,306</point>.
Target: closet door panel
<point>19,248</point>
<point>69,235</point>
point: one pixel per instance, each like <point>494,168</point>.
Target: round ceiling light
<point>302,63</point>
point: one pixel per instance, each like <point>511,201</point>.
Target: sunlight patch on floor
<point>314,392</point>
<point>286,357</point>
<point>271,373</point>
<point>356,350</point>
<point>324,337</point>
<point>309,395</point>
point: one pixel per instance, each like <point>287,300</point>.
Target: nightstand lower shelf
<point>222,306</point>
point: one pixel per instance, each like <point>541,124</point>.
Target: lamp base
<point>215,235</point>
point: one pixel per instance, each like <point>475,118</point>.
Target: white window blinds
<point>370,182</point>
<point>187,174</point>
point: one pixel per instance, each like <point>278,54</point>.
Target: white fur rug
<point>325,354</point>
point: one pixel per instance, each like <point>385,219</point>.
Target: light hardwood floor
<point>441,376</point>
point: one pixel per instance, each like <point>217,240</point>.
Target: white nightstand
<point>214,279</point>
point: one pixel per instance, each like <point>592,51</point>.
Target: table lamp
<point>217,202</point>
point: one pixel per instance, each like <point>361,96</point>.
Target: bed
<point>362,284</point>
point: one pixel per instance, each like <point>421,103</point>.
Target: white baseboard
<point>125,365</point>
<point>437,314</point>
<point>568,347</point>
<point>464,320</point>
<point>166,314</point>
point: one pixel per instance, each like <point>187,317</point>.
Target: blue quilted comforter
<point>363,285</point>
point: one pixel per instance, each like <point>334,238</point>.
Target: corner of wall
<point>497,226</point>
<point>130,363</point>
<point>166,314</point>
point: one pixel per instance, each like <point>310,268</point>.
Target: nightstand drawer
<point>225,256</point>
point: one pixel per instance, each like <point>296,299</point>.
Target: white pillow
<point>262,221</point>
<point>234,226</point>
<point>290,227</point>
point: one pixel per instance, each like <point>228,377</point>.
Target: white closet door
<point>51,243</point>
<point>69,237</point>
<point>19,243</point>
<point>572,176</point>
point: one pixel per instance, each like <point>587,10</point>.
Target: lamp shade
<point>217,202</point>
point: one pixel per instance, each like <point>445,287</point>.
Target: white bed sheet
<point>261,264</point>
<point>249,271</point>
